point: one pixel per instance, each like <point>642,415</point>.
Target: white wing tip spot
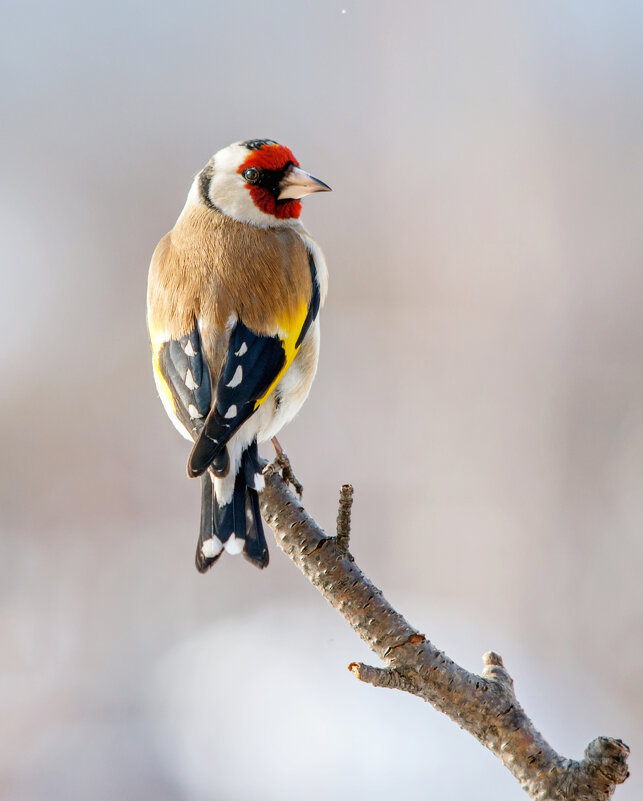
<point>260,482</point>
<point>190,383</point>
<point>189,350</point>
<point>194,412</point>
<point>243,349</point>
<point>232,412</point>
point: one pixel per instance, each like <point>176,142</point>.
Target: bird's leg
<point>287,473</point>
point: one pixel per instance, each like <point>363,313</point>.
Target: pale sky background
<point>480,384</point>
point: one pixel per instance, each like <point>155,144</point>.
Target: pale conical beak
<point>296,183</point>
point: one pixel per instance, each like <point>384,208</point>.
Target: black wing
<point>251,366</point>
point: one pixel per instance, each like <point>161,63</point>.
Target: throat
<point>266,202</point>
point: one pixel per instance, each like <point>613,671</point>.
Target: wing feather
<point>184,378</point>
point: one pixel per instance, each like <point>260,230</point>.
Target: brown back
<point>212,267</point>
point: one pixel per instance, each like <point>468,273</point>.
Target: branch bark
<point>484,705</point>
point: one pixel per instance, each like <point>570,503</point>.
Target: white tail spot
<point>234,544</point>
<point>212,547</point>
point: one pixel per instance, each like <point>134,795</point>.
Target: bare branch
<point>484,705</point>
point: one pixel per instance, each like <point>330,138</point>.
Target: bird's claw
<point>283,463</point>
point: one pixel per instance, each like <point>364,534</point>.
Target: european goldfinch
<point>233,300</point>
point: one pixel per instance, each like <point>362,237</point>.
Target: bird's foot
<point>283,462</point>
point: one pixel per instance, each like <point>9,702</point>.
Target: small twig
<point>344,517</point>
<point>382,677</point>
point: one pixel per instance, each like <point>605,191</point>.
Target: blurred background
<point>480,384</point>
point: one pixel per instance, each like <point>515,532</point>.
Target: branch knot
<point>494,670</point>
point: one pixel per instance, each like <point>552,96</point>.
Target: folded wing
<point>254,365</point>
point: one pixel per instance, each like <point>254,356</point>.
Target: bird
<point>233,301</point>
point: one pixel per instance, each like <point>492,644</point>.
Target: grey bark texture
<point>484,705</point>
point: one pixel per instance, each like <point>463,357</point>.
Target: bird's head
<point>257,181</point>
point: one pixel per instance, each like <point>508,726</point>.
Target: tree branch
<point>484,705</point>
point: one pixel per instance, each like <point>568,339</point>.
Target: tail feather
<point>256,550</point>
<point>223,518</point>
<point>235,526</point>
<point>239,511</point>
<point>209,548</point>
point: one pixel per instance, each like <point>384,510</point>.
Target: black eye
<point>251,175</point>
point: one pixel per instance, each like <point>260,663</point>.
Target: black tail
<point>209,547</point>
<point>241,517</point>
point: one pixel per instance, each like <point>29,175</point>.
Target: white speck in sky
<point>343,10</point>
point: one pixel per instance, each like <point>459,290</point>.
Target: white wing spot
<point>190,383</point>
<point>194,412</point>
<point>243,349</point>
<point>189,350</point>
<point>236,378</point>
<point>260,482</point>
<point>212,547</point>
<point>232,412</point>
